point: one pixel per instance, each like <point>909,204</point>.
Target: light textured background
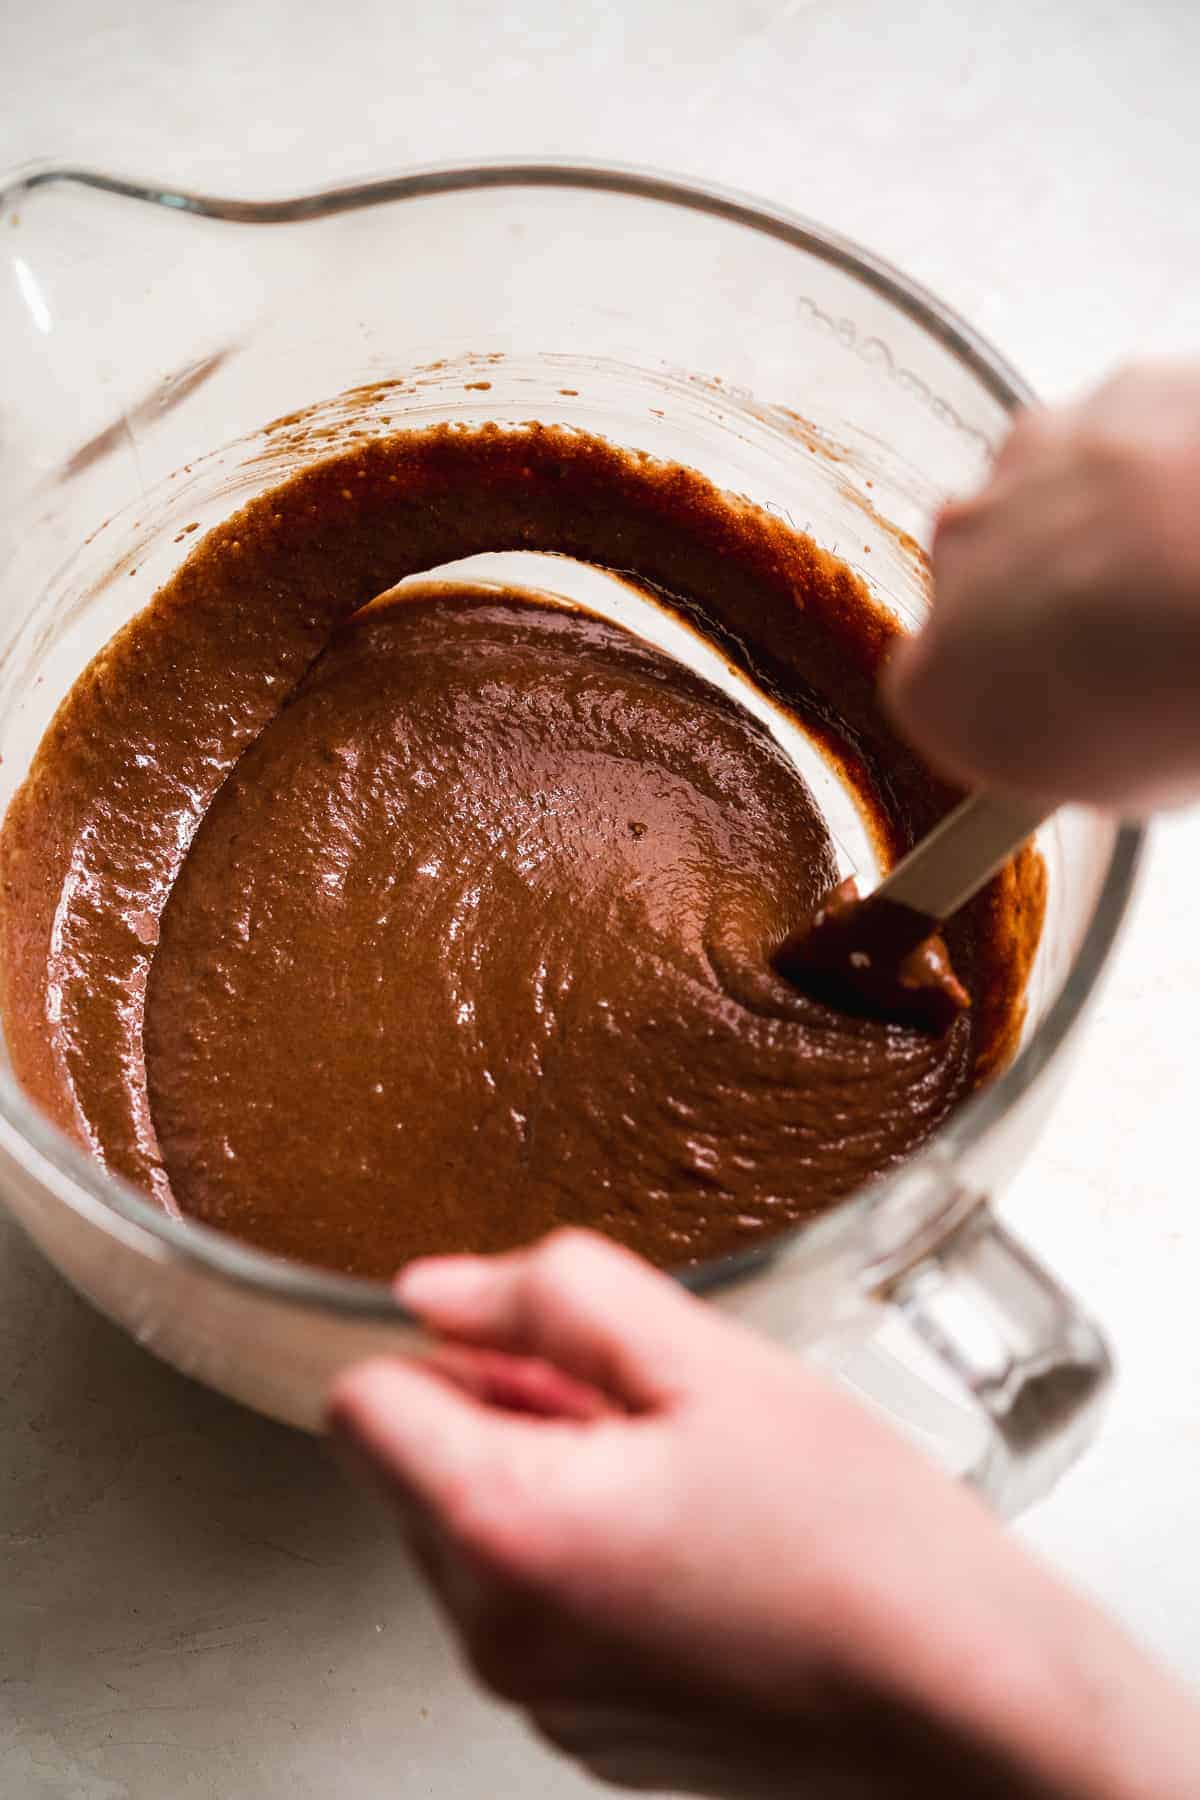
<point>193,1606</point>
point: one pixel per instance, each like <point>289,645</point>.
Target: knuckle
<point>560,1261</point>
<point>569,1242</point>
<point>1030,426</point>
<point>1032,430</point>
<point>957,524</point>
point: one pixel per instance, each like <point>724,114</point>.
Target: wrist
<point>1040,1676</point>
<point>1111,1724</point>
<point>938,1610</point>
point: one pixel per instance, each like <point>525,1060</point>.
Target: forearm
<point>943,1628</point>
<point>1037,1675</point>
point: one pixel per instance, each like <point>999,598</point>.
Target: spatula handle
<point>960,854</point>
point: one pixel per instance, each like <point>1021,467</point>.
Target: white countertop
<point>193,1604</point>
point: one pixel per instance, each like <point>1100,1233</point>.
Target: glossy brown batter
<point>875,956</point>
<point>362,934</point>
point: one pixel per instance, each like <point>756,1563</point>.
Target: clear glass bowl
<point>169,355</point>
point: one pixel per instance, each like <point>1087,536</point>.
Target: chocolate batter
<point>367,933</point>
<point>874,956</point>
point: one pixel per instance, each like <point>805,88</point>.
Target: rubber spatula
<point>881,953</point>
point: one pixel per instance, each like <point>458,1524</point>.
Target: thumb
<point>595,1311</point>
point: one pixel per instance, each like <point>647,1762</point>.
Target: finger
<point>396,1437</point>
<point>519,1384</point>
<point>1024,440</point>
<point>430,1445</point>
<point>979,709</point>
<point>1010,538</point>
<point>979,690</point>
<point>590,1308</point>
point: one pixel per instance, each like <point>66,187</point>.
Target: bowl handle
<point>1032,1362</point>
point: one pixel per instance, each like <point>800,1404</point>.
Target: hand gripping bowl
<point>168,355</point>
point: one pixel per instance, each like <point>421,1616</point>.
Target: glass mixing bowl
<point>168,355</point>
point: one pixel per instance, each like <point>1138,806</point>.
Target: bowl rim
<point>45,1154</point>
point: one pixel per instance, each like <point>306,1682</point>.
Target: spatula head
<point>876,957</point>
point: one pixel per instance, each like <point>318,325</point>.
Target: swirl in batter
<point>366,933</point>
